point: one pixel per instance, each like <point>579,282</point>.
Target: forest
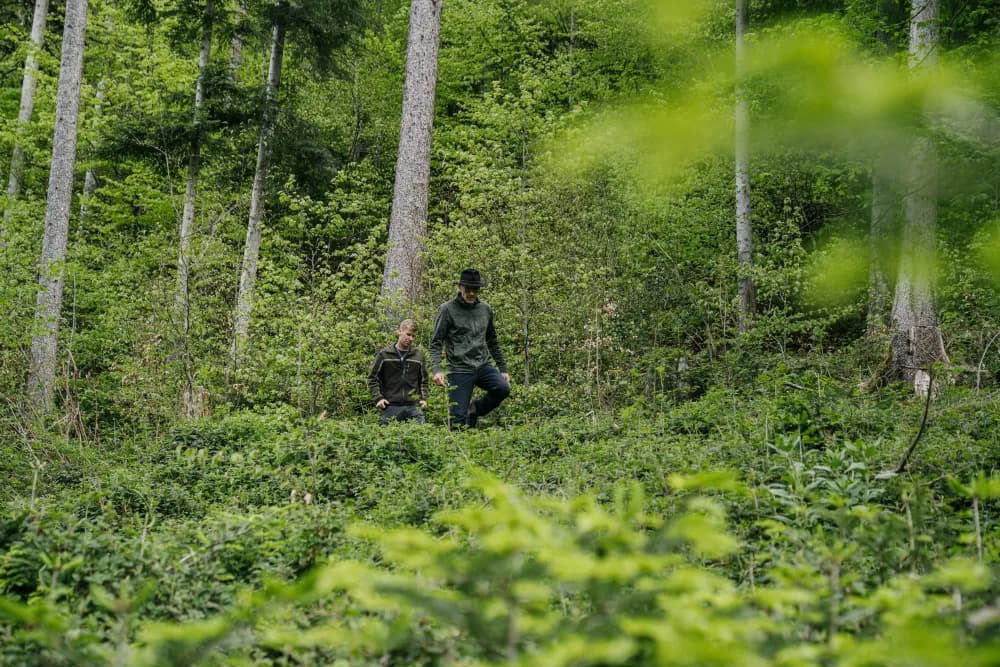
<point>743,259</point>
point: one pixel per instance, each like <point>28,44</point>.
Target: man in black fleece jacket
<point>397,379</point>
<point>464,326</point>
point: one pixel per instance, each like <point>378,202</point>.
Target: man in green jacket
<point>397,379</point>
<point>464,326</point>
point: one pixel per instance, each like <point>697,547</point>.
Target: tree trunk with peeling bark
<point>45,336</point>
<point>916,337</point>
<point>251,250</point>
<point>404,261</point>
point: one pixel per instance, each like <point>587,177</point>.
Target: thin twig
<point>923,424</point>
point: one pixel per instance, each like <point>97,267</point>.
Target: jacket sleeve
<point>437,338</point>
<point>425,386</point>
<point>374,384</point>
<point>493,343</point>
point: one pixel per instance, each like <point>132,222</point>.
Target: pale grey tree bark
<point>28,85</point>
<point>744,224</point>
<point>881,232</point>
<point>236,46</point>
<point>251,250</point>
<point>182,302</point>
<point>404,263</point>
<point>916,337</point>
<point>45,334</point>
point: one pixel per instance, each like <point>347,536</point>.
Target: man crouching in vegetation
<point>465,327</point>
<point>398,378</point>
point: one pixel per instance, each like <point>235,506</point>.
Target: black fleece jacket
<point>401,381</point>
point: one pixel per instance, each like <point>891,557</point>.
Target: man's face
<point>469,294</point>
<point>406,336</point>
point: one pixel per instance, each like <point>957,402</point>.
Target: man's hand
<point>423,404</point>
<point>382,405</point>
<point>439,379</point>
<point>506,378</point>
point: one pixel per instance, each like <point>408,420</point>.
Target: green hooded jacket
<point>467,332</point>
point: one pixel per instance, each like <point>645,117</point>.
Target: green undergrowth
<point>759,525</point>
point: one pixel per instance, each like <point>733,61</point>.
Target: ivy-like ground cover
<point>731,530</point>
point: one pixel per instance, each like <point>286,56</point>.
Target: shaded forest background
<point>606,274</point>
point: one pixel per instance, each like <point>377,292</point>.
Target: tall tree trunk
<point>882,229</point>
<point>44,340</point>
<point>28,86</point>
<point>916,338</point>
<point>744,225</point>
<point>182,302</point>
<point>525,281</point>
<point>404,263</point>
<point>90,177</point>
<point>251,251</point>
<point>239,35</point>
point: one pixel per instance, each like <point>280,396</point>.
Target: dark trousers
<point>402,413</point>
<point>460,386</point>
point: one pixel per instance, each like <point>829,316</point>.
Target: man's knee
<point>502,391</point>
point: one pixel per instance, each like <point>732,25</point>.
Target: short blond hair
<point>407,325</point>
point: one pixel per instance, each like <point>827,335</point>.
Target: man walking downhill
<point>398,378</point>
<point>464,326</point>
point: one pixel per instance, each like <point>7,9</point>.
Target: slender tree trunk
<point>404,262</point>
<point>916,338</point>
<point>28,86</point>
<point>744,226</point>
<point>251,251</point>
<point>44,340</point>
<point>183,303</point>
<point>239,34</point>
<point>881,232</point>
<point>885,200</point>
<point>525,281</point>
<point>90,178</point>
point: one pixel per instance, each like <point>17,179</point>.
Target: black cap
<point>470,278</point>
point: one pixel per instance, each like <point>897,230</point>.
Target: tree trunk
<point>90,178</point>
<point>881,232</point>
<point>183,304</point>
<point>916,338</point>
<point>236,48</point>
<point>885,198</point>
<point>525,281</point>
<point>44,341</point>
<point>251,251</point>
<point>744,225</point>
<point>404,261</point>
<point>28,86</point>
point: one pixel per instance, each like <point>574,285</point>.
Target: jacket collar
<point>461,302</point>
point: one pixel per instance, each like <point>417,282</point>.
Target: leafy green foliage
<point>657,490</point>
